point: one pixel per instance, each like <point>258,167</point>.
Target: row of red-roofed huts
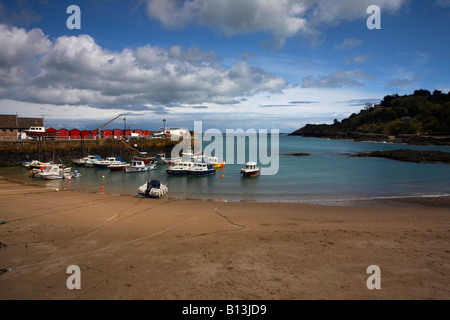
<point>92,134</point>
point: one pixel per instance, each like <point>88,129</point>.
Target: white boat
<point>87,161</point>
<point>108,162</point>
<point>143,157</point>
<point>55,172</point>
<point>92,159</point>
<point>118,167</point>
<point>139,166</point>
<point>189,156</point>
<point>179,169</point>
<point>161,158</point>
<point>153,189</point>
<point>80,162</point>
<point>251,169</point>
<point>201,169</point>
<point>74,174</point>
<point>35,164</point>
<point>215,162</point>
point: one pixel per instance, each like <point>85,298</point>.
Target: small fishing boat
<point>108,162</point>
<point>89,162</point>
<point>81,162</point>
<point>142,157</point>
<point>201,169</point>
<point>179,169</point>
<point>139,166</point>
<point>118,166</point>
<point>153,189</point>
<point>35,164</point>
<point>190,156</point>
<point>161,158</point>
<point>55,172</point>
<point>74,174</point>
<point>251,170</point>
<point>215,162</point>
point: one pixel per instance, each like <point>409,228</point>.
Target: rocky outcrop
<point>417,156</point>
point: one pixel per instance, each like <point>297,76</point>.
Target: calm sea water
<point>328,174</point>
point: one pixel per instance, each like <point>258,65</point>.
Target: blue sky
<point>261,64</point>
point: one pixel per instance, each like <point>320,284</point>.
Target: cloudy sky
<point>258,64</point>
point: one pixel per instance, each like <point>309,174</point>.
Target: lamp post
<point>164,121</point>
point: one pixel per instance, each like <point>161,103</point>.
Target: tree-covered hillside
<point>422,113</point>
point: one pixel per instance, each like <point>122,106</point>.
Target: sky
<point>232,64</point>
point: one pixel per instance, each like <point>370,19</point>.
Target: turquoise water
<point>327,174</point>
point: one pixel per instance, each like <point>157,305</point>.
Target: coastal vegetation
<point>415,118</point>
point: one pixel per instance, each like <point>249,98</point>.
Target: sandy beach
<point>161,249</point>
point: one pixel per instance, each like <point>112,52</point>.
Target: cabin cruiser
<point>201,169</point>
<point>139,166</point>
<point>251,169</point>
<point>179,169</point>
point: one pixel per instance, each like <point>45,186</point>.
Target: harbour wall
<point>12,153</point>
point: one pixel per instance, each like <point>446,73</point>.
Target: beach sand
<point>168,249</point>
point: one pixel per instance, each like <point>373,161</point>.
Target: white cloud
<point>281,18</point>
<point>348,44</point>
<point>337,79</point>
<point>77,71</point>
<point>443,3</point>
<point>357,59</point>
<point>18,45</point>
<point>296,106</point>
<point>403,82</point>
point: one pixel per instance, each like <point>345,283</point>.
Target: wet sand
<point>168,249</point>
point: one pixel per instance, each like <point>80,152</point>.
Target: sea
<point>328,176</point>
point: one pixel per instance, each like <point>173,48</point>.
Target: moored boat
<point>142,157</point>
<point>201,169</point>
<point>81,162</point>
<point>35,164</point>
<point>161,158</point>
<point>215,162</point>
<point>74,174</point>
<point>190,156</point>
<point>88,161</point>
<point>179,169</point>
<point>139,166</point>
<point>55,172</point>
<point>153,189</point>
<point>118,166</point>
<point>108,162</point>
<point>251,170</point>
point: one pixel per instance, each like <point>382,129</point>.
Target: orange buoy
<point>103,188</point>
<point>223,176</point>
